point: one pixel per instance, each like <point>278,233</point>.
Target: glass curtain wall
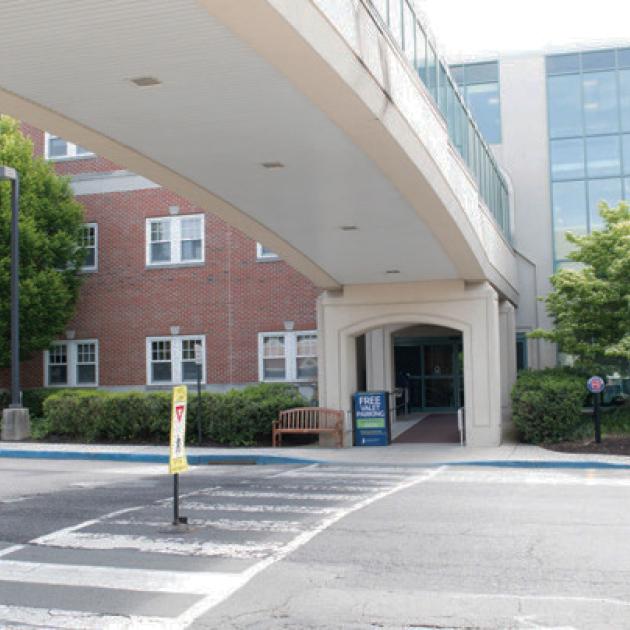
<point>479,83</point>
<point>588,101</point>
<point>410,36</point>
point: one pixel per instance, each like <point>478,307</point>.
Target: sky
<point>469,29</point>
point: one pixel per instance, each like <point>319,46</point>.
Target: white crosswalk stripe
<point>256,521</point>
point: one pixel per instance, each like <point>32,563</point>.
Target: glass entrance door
<point>431,370</point>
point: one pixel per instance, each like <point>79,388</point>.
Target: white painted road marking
<point>196,583</point>
<point>213,587</point>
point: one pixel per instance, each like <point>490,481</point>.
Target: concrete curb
<point>155,458</point>
<point>257,459</point>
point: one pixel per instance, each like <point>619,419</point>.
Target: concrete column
<point>375,355</point>
<point>507,323</point>
<point>482,370</point>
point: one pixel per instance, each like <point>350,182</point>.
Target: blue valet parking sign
<point>371,419</point>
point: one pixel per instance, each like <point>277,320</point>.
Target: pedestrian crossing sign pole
<point>177,461</point>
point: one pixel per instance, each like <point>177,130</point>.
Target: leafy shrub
<point>547,404</point>
<point>615,421</point>
<point>238,417</point>
<point>32,399</point>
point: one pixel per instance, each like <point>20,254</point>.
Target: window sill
<point>174,265</point>
<point>66,386</point>
<point>72,158</point>
<point>88,269</point>
<point>268,259</point>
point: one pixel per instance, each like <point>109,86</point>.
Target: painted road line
<point>166,545</point>
<point>300,496</point>
<point>245,507</point>
<point>209,602</point>
<point>196,583</point>
<point>12,549</point>
<point>224,524</point>
<point>345,473</point>
<point>322,487</point>
<point>588,478</point>
<point>73,619</point>
<point>94,521</point>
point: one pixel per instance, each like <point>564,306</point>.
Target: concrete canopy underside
<point>243,84</point>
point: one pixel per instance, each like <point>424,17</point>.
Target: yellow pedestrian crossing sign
<point>177,460</point>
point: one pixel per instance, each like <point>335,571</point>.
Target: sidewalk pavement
<point>506,455</point>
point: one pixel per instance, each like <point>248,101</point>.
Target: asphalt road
<point>89,545</point>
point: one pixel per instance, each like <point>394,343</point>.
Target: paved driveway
<point>318,546</point>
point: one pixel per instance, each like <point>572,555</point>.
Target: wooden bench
<point>308,420</point>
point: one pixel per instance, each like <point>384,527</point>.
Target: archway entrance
<point>429,371</point>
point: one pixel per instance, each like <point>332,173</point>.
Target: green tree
<point>590,305</point>
<point>50,255</point>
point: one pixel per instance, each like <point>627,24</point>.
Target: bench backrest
<point>310,418</point>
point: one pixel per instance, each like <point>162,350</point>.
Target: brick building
<point>162,275</point>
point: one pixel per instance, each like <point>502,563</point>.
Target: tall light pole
<point>15,420</point>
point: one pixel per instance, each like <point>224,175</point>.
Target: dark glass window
<point>624,99</point>
<point>623,57</point>
<point>567,159</point>
<point>625,142</point>
<point>598,60</point>
<point>569,213</point>
<point>608,190</point>
<point>561,64</point>
<point>479,84</point>
<point>565,106</point>
<point>602,156</point>
<point>600,103</point>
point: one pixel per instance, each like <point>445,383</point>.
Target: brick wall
<point>230,298</point>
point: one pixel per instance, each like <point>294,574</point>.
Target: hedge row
<point>547,404</point>
<point>239,417</point>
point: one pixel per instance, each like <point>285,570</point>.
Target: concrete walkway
<point>508,454</point>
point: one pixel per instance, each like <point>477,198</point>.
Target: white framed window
<point>89,240</point>
<point>264,253</point>
<point>56,148</point>
<point>171,360</point>
<point>175,240</point>
<point>289,356</point>
<point>71,364</point>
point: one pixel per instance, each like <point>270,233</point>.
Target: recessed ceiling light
<point>349,228</point>
<point>273,164</point>
<point>146,81</point>
<point>393,271</point>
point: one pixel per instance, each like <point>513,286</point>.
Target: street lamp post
<point>15,420</point>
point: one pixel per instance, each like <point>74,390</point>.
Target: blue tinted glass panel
<point>623,57</point>
<point>598,60</point>
<point>567,159</point>
<point>600,102</point>
<point>626,185</point>
<point>457,72</point>
<point>625,143</point>
<point>565,106</point>
<point>561,64</point>
<point>603,156</point>
<point>481,73</point>
<point>483,102</point>
<point>608,190</point>
<point>569,213</point>
<point>421,53</point>
<point>624,99</point>
<point>431,71</point>
<point>442,88</point>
